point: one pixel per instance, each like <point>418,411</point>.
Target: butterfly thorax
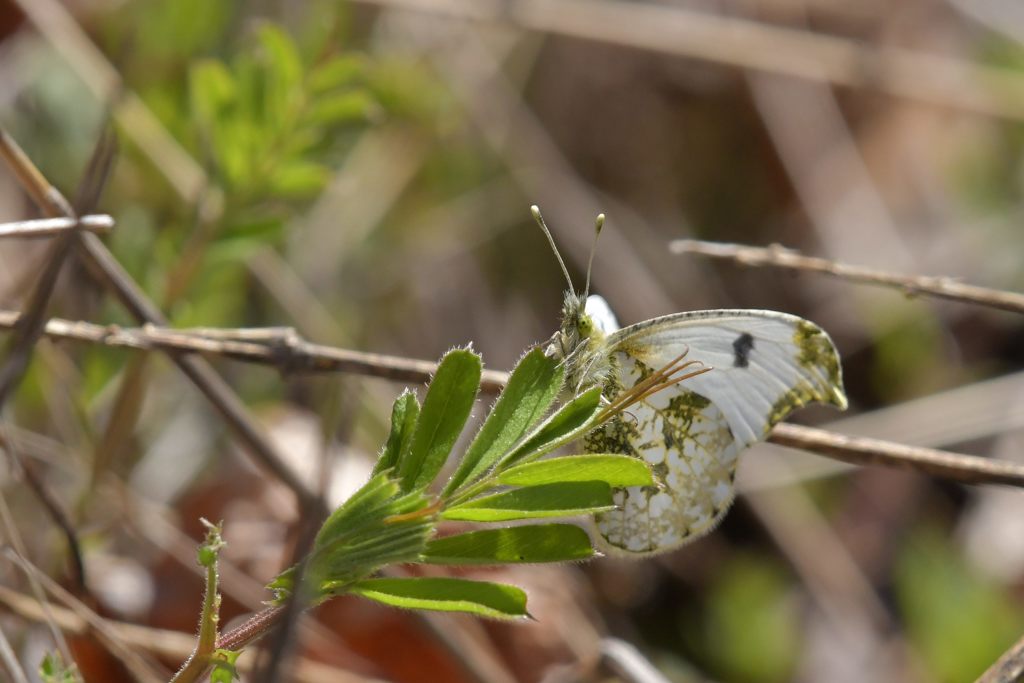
<point>581,345</point>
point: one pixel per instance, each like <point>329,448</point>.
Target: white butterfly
<point>763,365</point>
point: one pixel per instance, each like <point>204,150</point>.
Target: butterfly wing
<point>765,365</point>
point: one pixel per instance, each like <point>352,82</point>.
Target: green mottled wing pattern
<point>765,364</point>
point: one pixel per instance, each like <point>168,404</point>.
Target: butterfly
<point>758,366</point>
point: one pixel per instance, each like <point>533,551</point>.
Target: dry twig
<point>285,349</point>
<point>100,224</point>
<point>939,287</point>
<point>279,347</point>
<point>1007,669</point>
<point>30,327</point>
<point>858,450</point>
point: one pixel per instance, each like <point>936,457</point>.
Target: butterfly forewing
<point>765,365</point>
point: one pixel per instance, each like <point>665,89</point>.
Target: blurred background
<point>363,173</point>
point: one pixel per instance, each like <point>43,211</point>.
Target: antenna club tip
<point>599,223</point>
<point>535,210</point>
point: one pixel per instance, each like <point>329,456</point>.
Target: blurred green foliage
<point>957,619</point>
<point>991,175</point>
<point>750,630</point>
<point>53,670</point>
<point>908,346</point>
<point>265,120</point>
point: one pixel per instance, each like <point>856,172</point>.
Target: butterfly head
<point>578,326</point>
<point>579,341</point>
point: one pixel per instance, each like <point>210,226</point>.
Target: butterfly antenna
<point>598,224</point>
<point>535,210</point>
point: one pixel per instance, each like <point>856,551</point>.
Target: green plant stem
<point>197,663</point>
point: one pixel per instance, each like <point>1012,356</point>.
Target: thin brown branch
<point>10,661</point>
<point>98,171</point>
<point>100,224</point>
<point>18,350</point>
<point>106,268</point>
<point>53,508</point>
<point>779,257</point>
<point>285,349</point>
<point>162,642</point>
<point>280,624</point>
<point>1007,669</point>
<point>30,327</point>
<point>279,347</point>
<point>45,195</point>
<point>623,659</point>
<point>857,450</point>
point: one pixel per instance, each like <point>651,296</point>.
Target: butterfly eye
<point>585,325</point>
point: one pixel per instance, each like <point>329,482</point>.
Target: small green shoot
<point>206,556</point>
<point>223,662</point>
<point>53,670</point>
<point>404,416</point>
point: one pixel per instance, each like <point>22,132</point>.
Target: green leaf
<point>482,598</point>
<point>238,143</point>
<point>211,90</point>
<point>615,470</point>
<point>299,179</point>
<point>342,107</point>
<point>531,389</point>
<point>250,83</point>
<point>263,228</point>
<point>338,72</point>
<point>446,407</point>
<point>570,422</point>
<point>404,414</point>
<point>564,499</point>
<point>534,543</point>
<point>943,600</point>
<point>283,74</point>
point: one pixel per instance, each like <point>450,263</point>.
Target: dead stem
<point>778,257</point>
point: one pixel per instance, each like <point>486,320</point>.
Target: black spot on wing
<point>741,349</point>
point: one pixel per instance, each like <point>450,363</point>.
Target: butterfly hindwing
<point>692,453</point>
<point>765,365</point>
